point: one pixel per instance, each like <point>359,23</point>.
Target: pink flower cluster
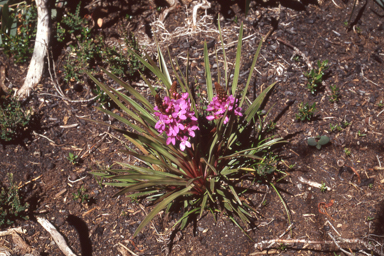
<point>176,119</point>
<point>219,105</point>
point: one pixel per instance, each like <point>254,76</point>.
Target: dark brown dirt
<point>98,227</point>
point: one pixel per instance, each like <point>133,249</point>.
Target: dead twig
<point>57,237</point>
<point>297,52</point>
<point>312,183</point>
<point>126,248</point>
<point>12,230</point>
<point>318,244</point>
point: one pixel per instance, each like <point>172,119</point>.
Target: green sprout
<point>80,195</point>
<point>335,127</point>
<point>335,96</point>
<point>315,76</point>
<point>73,159</point>
<point>346,123</point>
<point>297,58</point>
<point>361,134</point>
<point>235,19</point>
<point>318,141</point>
<point>380,105</point>
<point>282,247</point>
<point>347,151</point>
<point>323,187</point>
<point>370,186</point>
<point>306,111</point>
<point>370,218</point>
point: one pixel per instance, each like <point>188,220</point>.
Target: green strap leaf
<point>237,63</point>
<point>131,90</point>
<point>161,206</point>
<point>252,110</point>
<point>208,73</point>
<point>250,73</point>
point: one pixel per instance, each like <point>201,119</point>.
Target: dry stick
<point>57,237</point>
<point>298,52</point>
<point>2,79</point>
<point>341,249</point>
<point>43,136</point>
<point>311,242</point>
<point>35,69</point>
<point>126,248</point>
<point>312,183</point>
<point>12,230</point>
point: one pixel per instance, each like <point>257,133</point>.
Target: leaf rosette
<point>190,155</point>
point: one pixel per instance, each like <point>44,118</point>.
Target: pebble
<point>361,92</point>
<point>289,93</point>
<point>31,232</point>
<point>73,176</point>
<point>200,229</point>
<point>59,221</point>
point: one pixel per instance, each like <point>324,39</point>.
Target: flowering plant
<point>188,154</point>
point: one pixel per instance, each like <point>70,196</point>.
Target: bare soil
<point>99,227</point>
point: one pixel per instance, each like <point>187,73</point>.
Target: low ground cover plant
<point>18,29</point>
<point>306,111</point>
<point>13,118</point>
<point>88,50</point>
<point>315,76</point>
<point>195,156</point>
<point>11,207</point>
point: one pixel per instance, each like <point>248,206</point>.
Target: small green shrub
<point>88,50</point>
<point>13,119</point>
<point>11,207</point>
<point>306,111</point>
<point>21,30</point>
<point>315,76</point>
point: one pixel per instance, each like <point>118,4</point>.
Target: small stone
<point>31,232</point>
<point>361,92</point>
<point>73,176</point>
<point>289,93</point>
<point>59,221</point>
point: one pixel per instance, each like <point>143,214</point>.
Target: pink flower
<point>218,106</point>
<point>176,119</point>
